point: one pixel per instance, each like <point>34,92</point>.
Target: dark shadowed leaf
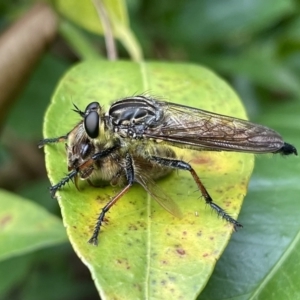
<point>262,260</point>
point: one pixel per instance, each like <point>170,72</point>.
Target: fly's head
<point>79,147</point>
<point>91,119</point>
<point>86,139</point>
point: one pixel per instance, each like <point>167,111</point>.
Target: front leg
<point>60,139</point>
<point>129,171</point>
<point>86,165</point>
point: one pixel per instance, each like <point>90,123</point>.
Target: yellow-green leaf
<point>84,13</point>
<point>25,227</point>
<point>144,252</point>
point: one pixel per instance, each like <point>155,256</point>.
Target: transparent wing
<point>184,126</point>
<point>144,178</point>
<point>159,195</point>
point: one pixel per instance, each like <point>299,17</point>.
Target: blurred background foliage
<point>254,44</point>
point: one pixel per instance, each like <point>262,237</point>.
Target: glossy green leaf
<point>84,14</point>
<point>145,252</point>
<point>25,226</point>
<point>262,260</point>
<point>77,41</point>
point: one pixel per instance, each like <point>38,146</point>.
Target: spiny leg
<point>181,165</point>
<point>59,139</point>
<point>129,170</point>
<point>53,189</point>
<point>88,164</point>
<point>94,239</point>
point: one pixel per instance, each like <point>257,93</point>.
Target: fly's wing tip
<point>169,205</point>
<point>176,212</point>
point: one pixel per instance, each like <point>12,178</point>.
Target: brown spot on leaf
<point>142,224</point>
<point>123,263</point>
<point>227,203</point>
<point>138,287</point>
<point>201,160</point>
<point>132,227</point>
<point>180,251</point>
<point>5,220</point>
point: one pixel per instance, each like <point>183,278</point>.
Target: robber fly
<point>130,143</point>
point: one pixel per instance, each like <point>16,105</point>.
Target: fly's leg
<point>53,189</point>
<point>94,239</point>
<point>59,139</point>
<point>181,165</point>
<point>129,171</point>
<point>88,164</point>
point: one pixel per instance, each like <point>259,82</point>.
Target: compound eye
<point>93,106</point>
<point>91,124</point>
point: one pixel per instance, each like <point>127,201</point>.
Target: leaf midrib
<point>145,84</point>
